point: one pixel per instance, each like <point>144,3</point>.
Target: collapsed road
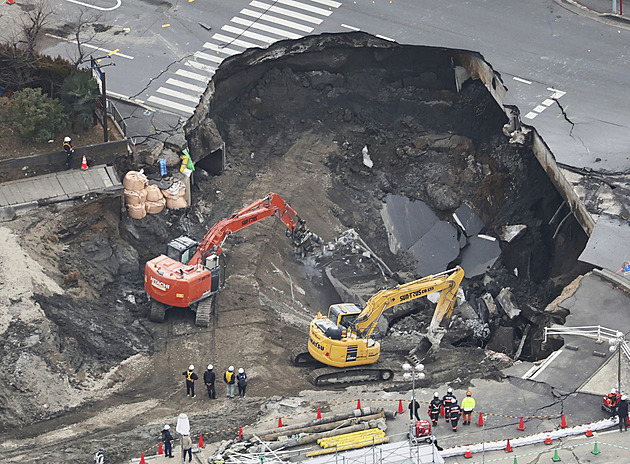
<point>401,144</point>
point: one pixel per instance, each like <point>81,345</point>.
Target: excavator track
<point>302,358</point>
<point>204,311</point>
<point>158,311</point>
<point>326,376</point>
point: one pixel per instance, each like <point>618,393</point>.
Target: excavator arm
<point>447,282</point>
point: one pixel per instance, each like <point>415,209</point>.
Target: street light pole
<point>616,344</point>
<point>412,372</point>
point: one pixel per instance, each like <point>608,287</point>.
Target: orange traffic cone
<point>319,413</point>
<point>468,454</point>
<point>480,423</point>
<point>508,448</point>
<point>589,432</point>
<point>240,432</point>
<point>359,403</point>
<point>280,422</point>
<point>160,450</point>
<point>400,407</point>
<point>521,426</point>
<point>10,2</point>
<point>142,461</point>
<point>548,440</point>
<point>201,445</point>
<point>84,164</point>
<point>563,424</point>
<point>442,411</point>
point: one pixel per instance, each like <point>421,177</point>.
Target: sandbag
<point>135,197</point>
<point>135,180</point>
<point>154,193</point>
<point>137,211</point>
<point>176,203</point>
<point>175,191</point>
<point>155,207</point>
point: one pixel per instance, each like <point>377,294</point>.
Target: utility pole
<point>99,75</point>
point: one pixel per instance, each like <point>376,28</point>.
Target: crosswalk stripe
<point>170,104</point>
<point>251,35</point>
<point>273,19</point>
<point>216,48</point>
<point>303,6</point>
<point>328,3</point>
<point>177,94</point>
<point>184,85</point>
<point>205,56</point>
<point>237,42</point>
<point>264,27</point>
<point>282,11</point>
<point>191,75</point>
<point>201,67</point>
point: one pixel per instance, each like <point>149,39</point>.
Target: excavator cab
<point>343,314</point>
<point>181,249</point>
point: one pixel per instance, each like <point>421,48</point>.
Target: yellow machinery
<point>342,338</point>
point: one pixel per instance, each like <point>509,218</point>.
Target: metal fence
<point>595,332</point>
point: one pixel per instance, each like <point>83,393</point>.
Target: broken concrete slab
<point>509,233</point>
<point>406,221</point>
<point>508,303</point>
<point>602,249</point>
<point>468,220</point>
<point>480,254</point>
<point>436,249</point>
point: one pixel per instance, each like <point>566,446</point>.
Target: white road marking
<point>205,56</point>
<point>522,80</point>
<point>273,19</point>
<point>170,104</point>
<point>548,102</point>
<point>350,27</point>
<point>556,93</point>
<point>531,115</point>
<point>282,11</point>
<point>191,75</point>
<point>251,35</point>
<point>302,6</point>
<point>237,42</point>
<point>177,94</point>
<point>217,48</point>
<point>201,67</point>
<point>384,38</point>
<point>546,364</point>
<point>540,108</point>
<point>118,3</point>
<point>264,27</point>
<point>94,47</point>
<point>185,85</point>
<point>328,3</point>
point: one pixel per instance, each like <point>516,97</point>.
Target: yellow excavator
<point>342,338</point>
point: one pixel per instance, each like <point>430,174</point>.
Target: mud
<point>86,369</point>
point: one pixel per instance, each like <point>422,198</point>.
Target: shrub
<point>78,96</point>
<point>34,116</point>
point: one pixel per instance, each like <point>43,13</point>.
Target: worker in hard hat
<point>167,439</point>
<point>612,399</point>
<point>209,378</point>
<point>241,382</point>
<point>454,411</point>
<point>446,401</point>
<point>99,458</point>
<point>413,408</point>
<point>190,380</point>
<point>69,151</point>
<point>622,411</point>
<point>229,378</point>
<point>434,408</point>
<point>468,405</point>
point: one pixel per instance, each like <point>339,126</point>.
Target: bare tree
<point>83,32</point>
<point>35,18</point>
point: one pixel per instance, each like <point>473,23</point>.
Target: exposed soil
<point>85,369</point>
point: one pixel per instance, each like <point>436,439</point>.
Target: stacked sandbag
<point>155,201</point>
<point>135,193</point>
<point>175,196</point>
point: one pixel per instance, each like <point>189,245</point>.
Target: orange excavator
<point>190,272</point>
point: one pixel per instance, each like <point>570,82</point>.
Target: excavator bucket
<point>427,346</point>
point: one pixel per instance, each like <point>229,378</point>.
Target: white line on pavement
<point>184,85</point>
<point>273,19</point>
<point>218,48</point>
<point>328,3</point>
<point>350,27</point>
<point>177,94</point>
<point>302,6</point>
<point>239,43</point>
<point>251,35</point>
<point>118,3</point>
<point>205,56</point>
<point>191,75</point>
<point>546,364</point>
<point>521,80</point>
<point>282,11</point>
<point>110,52</point>
<point>202,67</point>
<point>170,104</point>
<point>385,38</point>
<point>264,27</point>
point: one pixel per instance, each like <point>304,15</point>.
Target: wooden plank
<point>29,189</point>
<point>3,199</point>
<point>113,175</point>
<point>105,178</point>
<point>96,181</point>
<point>66,183</point>
<point>53,188</point>
<point>80,181</point>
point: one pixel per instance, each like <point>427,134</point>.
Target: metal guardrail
<point>596,332</point>
<point>117,117</point>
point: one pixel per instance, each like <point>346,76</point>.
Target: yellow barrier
<point>350,437</point>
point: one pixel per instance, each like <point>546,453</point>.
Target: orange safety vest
<point>189,376</point>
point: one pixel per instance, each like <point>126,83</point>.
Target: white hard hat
<point>166,427</point>
<point>231,368</point>
<point>436,395</point>
<point>67,139</point>
<point>450,390</point>
<point>210,367</point>
<point>624,397</point>
<point>241,370</point>
<point>191,368</point>
<point>614,390</point>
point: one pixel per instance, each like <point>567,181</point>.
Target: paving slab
<point>606,245</point>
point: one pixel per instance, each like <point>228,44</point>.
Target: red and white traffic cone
<point>563,424</point>
<point>508,448</point>
<point>548,440</point>
<point>84,165</point>
<point>589,432</point>
<point>468,454</point>
<point>521,425</point>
